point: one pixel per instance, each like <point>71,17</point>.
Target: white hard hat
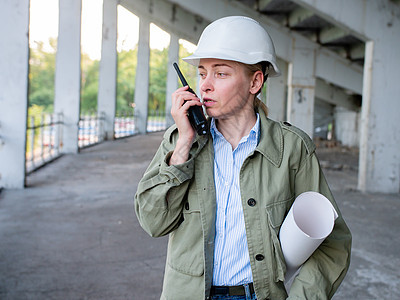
<point>236,38</point>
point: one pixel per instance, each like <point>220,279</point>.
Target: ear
<point>256,82</point>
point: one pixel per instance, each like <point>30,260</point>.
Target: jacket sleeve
<point>160,193</point>
<point>322,273</point>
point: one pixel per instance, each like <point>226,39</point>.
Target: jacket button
<point>259,257</point>
<point>251,202</point>
<point>187,205</point>
<point>287,123</point>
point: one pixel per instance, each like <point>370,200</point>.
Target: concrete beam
<point>108,68</point>
<point>14,62</point>
<point>378,23</point>
<point>330,35</point>
<point>338,71</point>
<point>346,74</point>
<point>298,16</point>
<point>68,72</point>
<point>357,51</point>
<point>210,10</point>
<point>263,4</point>
<point>170,17</point>
<point>342,13</point>
<point>361,18</point>
<point>336,96</point>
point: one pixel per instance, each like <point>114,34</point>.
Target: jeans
<point>248,296</point>
<point>223,297</point>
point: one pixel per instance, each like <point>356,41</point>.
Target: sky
<point>44,24</point>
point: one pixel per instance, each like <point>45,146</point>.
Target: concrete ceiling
<point>312,26</point>
<point>340,48</point>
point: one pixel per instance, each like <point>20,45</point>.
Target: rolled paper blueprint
<point>309,221</point>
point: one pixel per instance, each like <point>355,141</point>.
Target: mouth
<point>208,101</point>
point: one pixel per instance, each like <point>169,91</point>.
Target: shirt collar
<point>253,135</point>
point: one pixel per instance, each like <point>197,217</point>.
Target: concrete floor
<point>72,234</point>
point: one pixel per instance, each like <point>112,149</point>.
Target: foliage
<point>158,75</point>
<point>127,62</point>
<point>190,72</point>
<point>90,84</point>
<point>42,74</point>
<point>35,113</point>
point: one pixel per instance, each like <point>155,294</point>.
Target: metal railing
<point>91,129</point>
<point>44,140</point>
<point>45,133</point>
<point>156,121</point>
<point>124,124</point>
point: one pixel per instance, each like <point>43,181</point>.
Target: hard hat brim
<point>194,60</point>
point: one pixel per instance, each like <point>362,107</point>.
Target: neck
<point>235,128</point>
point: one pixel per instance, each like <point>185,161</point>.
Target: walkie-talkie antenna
<point>180,75</point>
<point>195,113</point>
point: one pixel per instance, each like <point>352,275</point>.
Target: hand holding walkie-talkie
<point>195,113</point>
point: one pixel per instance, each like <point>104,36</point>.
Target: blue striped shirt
<point>231,255</point>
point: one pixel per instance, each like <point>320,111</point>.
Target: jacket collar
<point>271,140</point>
<point>270,145</point>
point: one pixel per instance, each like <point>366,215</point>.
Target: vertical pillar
<point>172,79</point>
<point>68,72</point>
<point>108,68</point>
<point>14,62</point>
<point>142,76</point>
<point>301,86</point>
<point>277,94</point>
<point>346,126</point>
<point>379,165</point>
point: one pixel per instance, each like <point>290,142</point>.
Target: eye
<point>221,74</point>
<point>202,75</point>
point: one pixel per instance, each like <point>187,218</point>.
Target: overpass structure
<point>339,60</point>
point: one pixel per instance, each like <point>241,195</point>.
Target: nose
<point>206,84</point>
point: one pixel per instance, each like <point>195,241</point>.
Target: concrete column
<point>379,169</point>
<point>379,166</point>
<point>142,76</point>
<point>346,126</point>
<point>301,86</point>
<point>108,68</point>
<point>277,93</point>
<point>172,77</point>
<point>68,72</point>
<point>14,62</point>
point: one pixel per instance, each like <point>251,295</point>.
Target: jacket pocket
<point>276,214</point>
<point>185,246</point>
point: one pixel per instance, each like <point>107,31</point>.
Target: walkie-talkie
<point>195,113</point>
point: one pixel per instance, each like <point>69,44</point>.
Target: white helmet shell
<point>236,38</point>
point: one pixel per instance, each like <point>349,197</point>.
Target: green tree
<point>35,112</point>
<point>41,75</point>
<point>42,70</point>
<point>158,79</point>
<point>127,62</point>
<point>190,72</point>
<point>90,84</point>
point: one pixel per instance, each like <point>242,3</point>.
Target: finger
<point>180,98</point>
<point>192,102</point>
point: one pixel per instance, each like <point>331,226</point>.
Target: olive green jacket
<point>180,201</point>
